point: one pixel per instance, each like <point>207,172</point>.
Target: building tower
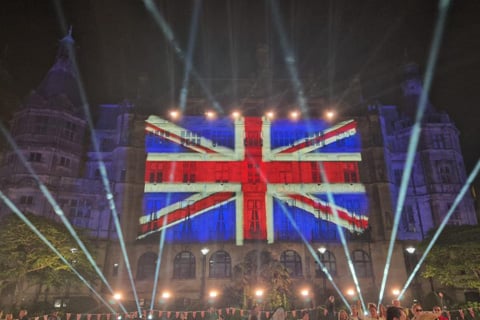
<point>49,130</point>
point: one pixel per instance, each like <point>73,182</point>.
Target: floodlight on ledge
<point>258,292</point>
<point>166,295</point>
<point>322,250</point>
<point>329,114</point>
<point>174,114</point>
<point>210,114</point>
<point>236,114</point>
<point>204,251</point>
<point>270,115</point>
<point>294,115</point>
<point>410,249</point>
<point>213,293</point>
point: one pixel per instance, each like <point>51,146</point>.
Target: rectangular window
<point>222,173</point>
<point>408,219</point>
<point>253,207</point>
<point>64,162</point>
<point>398,176</point>
<point>445,170</point>
<point>316,176</point>
<point>69,131</point>
<point>26,200</point>
<point>41,124</point>
<point>438,141</point>
<point>35,157</point>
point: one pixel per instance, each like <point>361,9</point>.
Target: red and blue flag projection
<point>251,178</point>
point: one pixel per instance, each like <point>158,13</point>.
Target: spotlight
<point>117,296</point>
<point>258,292</point>
<point>322,250</point>
<point>210,114</point>
<point>304,293</point>
<point>395,292</point>
<point>294,115</point>
<point>329,114</point>
<point>166,295</point>
<point>204,251</point>
<point>351,292</point>
<point>236,114</point>
<point>270,115</point>
<point>213,294</point>
<point>174,114</point>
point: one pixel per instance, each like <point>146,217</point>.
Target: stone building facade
<point>51,132</point>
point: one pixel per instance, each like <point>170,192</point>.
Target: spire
<point>61,79</point>
<point>412,87</point>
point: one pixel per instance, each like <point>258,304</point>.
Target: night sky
<point>122,51</point>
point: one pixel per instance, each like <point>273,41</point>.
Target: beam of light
<point>15,209</point>
<point>457,201</point>
<point>232,49</point>
<point>289,59</point>
<point>168,33</point>
<point>188,59</point>
<point>314,254</point>
<point>415,135</point>
<point>101,164</point>
<point>58,210</point>
<point>351,267</point>
<point>159,258</point>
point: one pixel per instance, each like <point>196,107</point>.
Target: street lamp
<point>411,261</point>
<point>204,252</point>
<point>259,294</point>
<point>410,249</point>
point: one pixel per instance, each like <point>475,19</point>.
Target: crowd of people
<point>392,312</point>
<point>22,315</point>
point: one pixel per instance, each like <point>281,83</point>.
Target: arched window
<point>184,265</point>
<point>328,260</point>
<point>292,261</point>
<point>362,263</point>
<point>220,265</point>
<point>146,266</point>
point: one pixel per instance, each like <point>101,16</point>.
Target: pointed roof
<point>61,79</point>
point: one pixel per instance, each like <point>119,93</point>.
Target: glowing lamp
<point>270,115</point>
<point>210,114</point>
<point>322,250</point>
<point>330,114</point>
<point>213,294</point>
<point>235,114</point>
<point>294,115</point>
<point>174,114</point>
<point>258,292</point>
<point>410,249</point>
<point>204,251</point>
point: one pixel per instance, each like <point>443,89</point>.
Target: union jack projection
<point>251,179</point>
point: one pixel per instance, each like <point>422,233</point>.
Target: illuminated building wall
<point>251,179</point>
